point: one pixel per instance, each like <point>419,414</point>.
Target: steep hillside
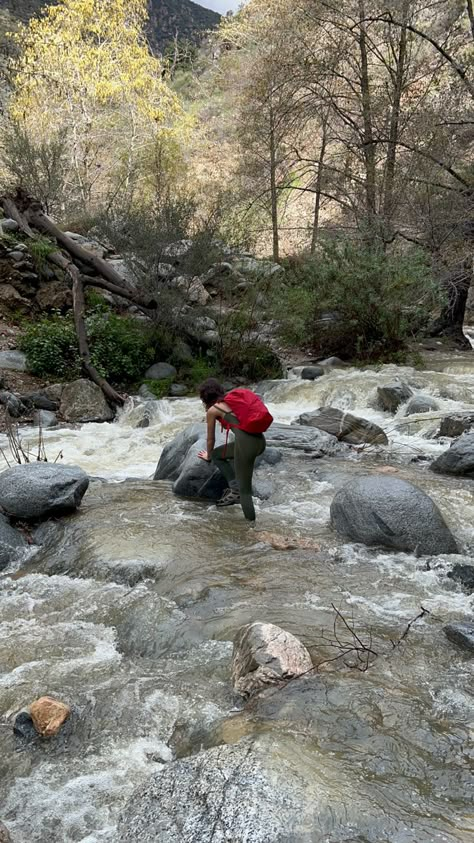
<point>167,17</point>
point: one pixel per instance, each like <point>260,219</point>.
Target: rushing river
<point>129,609</point>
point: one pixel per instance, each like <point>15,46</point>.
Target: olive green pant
<point>236,462</point>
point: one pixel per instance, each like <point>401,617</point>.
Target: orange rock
<point>48,716</point>
<point>287,542</point>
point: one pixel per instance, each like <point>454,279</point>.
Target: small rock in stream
<point>462,634</point>
<point>458,459</point>
<point>392,395</point>
<point>265,654</point>
<point>48,715</point>
<point>464,575</point>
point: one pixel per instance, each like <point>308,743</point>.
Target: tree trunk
<point>451,321</point>
<point>319,184</point>
<point>388,204</point>
<point>273,189</point>
<point>368,135</point>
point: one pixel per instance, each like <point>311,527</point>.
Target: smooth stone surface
<point>242,793</point>
<point>39,489</point>
<point>462,634</point>
<point>193,477</point>
<point>265,654</point>
<point>310,373</point>
<point>459,459</point>
<point>307,439</point>
<point>384,510</point>
<point>12,542</point>
<point>84,401</point>
<point>160,372</point>
<point>421,404</point>
<point>13,360</point>
<point>345,426</point>
<point>392,395</point>
<point>9,225</point>
<point>178,390</point>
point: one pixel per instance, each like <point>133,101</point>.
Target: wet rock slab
<point>345,426</point>
<point>459,459</point>
<point>37,490</point>
<point>245,793</point>
<point>462,634</point>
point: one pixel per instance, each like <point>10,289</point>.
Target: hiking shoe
<point>229,498</point>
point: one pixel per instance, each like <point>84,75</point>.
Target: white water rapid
<point>129,609</point>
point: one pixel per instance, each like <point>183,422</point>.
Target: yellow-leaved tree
<point>88,91</point>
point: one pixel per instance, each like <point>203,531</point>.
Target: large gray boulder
<point>38,490</point>
<point>380,510</point>
<point>265,654</point>
<point>248,792</point>
<point>458,459</point>
<point>193,478</point>
<point>160,372</point>
<point>11,542</point>
<point>311,373</point>
<point>392,395</point>
<point>462,634</point>
<point>84,401</point>
<point>345,426</point>
<point>298,438</point>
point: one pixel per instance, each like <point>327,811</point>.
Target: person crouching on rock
<point>243,412</point>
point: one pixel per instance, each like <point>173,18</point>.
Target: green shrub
<point>161,388</point>
<point>121,348</point>
<point>51,348</point>
<point>353,300</point>
<point>252,360</point>
<point>198,371</point>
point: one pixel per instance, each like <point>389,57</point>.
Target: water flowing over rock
<point>38,490</point>
<point>392,395</point>
<point>456,425</point>
<point>243,793</point>
<point>459,459</point>
<point>345,426</point>
<point>311,373</point>
<point>464,575</point>
<point>48,715</point>
<point>11,542</point>
<point>84,401</point>
<point>462,634</point>
<point>383,510</point>
<point>265,654</point>
<point>421,404</point>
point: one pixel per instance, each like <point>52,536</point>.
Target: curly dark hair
<point>210,392</point>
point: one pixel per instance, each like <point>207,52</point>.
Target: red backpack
<point>250,410</point>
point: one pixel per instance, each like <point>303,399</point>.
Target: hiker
<point>243,412</point>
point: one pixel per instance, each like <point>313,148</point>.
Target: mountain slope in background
<point>167,18</point>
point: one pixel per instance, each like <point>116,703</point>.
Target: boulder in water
<point>247,792</point>
<point>459,459</point>
<point>48,715</point>
<point>392,395</point>
<point>12,403</point>
<point>421,404</point>
<point>84,401</point>
<point>38,490</point>
<point>265,654</point>
<point>384,510</point>
<point>193,478</point>
<point>462,634</point>
<point>464,575</point>
<point>160,372</point>
<point>345,426</point>
<point>310,373</point>
<point>310,440</point>
<point>456,425</point>
<point>45,419</point>
<point>11,542</point>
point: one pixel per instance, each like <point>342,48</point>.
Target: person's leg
<point>247,448</point>
<point>223,459</point>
